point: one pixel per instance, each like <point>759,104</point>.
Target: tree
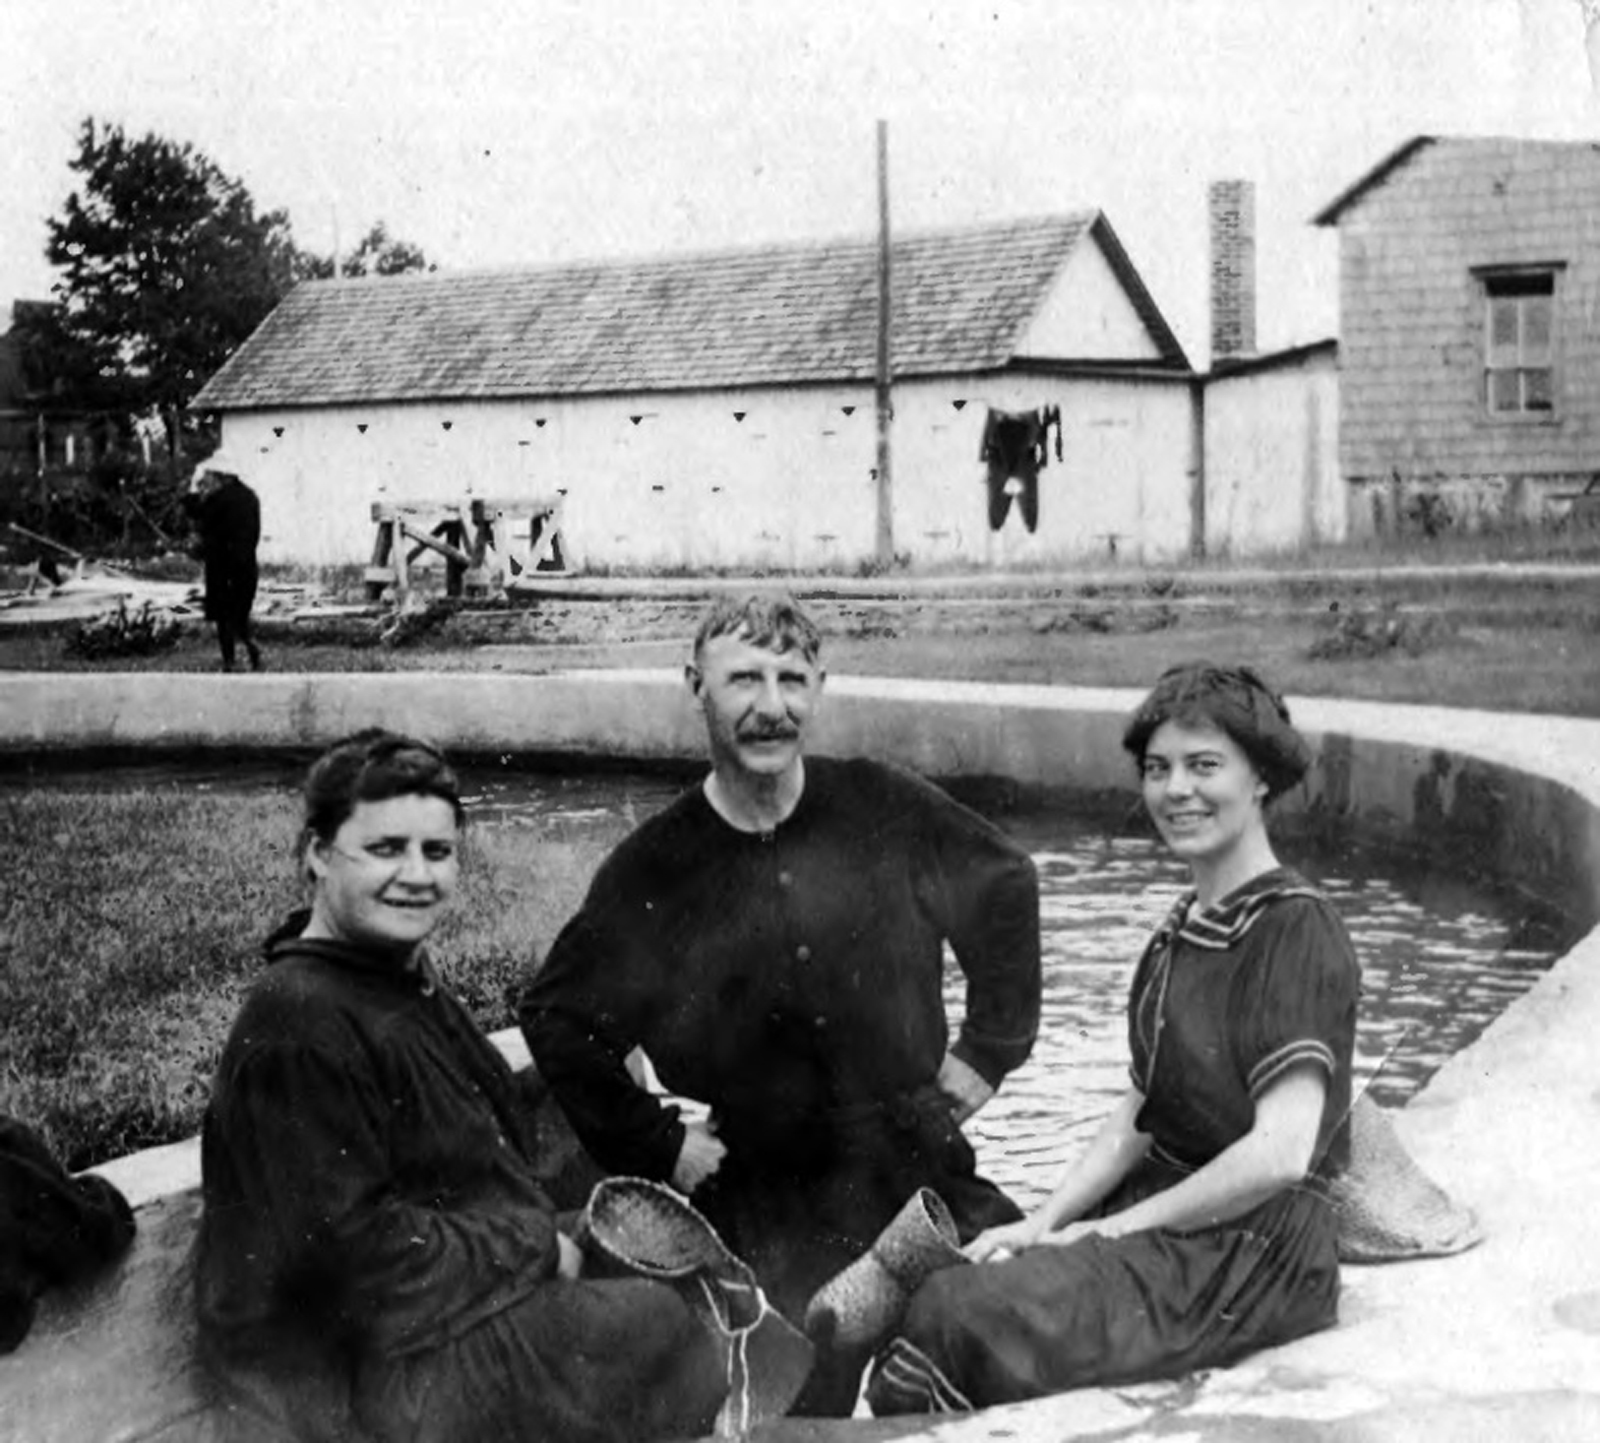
<point>378,254</point>
<point>166,268</point>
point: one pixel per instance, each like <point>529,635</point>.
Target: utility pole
<point>885,408</point>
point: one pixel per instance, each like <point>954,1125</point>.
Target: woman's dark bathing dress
<point>1224,1001</point>
<point>376,1257</point>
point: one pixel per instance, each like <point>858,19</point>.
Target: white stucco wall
<point>688,485</point>
<point>1272,459</point>
<point>1123,472</point>
<point>1088,314</point>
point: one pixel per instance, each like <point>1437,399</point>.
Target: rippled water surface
<point>1439,963</point>
<point>1440,959</point>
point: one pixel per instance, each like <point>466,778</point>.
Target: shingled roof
<point>767,315</point>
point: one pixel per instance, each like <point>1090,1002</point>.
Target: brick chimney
<point>1231,208</point>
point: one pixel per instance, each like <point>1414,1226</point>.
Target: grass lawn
<point>1516,668</point>
<point>129,934</point>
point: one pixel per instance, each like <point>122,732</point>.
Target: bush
<point>1430,513</point>
<point>120,633</point>
<point>1372,631</point>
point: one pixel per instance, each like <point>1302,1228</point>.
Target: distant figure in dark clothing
<point>54,1228</point>
<point>227,515</point>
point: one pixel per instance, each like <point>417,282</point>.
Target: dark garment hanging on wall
<point>1016,449</point>
<point>54,1228</point>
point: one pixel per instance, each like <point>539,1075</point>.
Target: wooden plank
<point>434,543</point>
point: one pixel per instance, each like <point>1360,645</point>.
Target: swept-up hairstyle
<point>372,766</point>
<point>775,620</point>
<point>1236,700</point>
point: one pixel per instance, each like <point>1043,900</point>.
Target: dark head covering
<point>1236,700</point>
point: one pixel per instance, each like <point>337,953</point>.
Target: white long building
<point>717,410</point>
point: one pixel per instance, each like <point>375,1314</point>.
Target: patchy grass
<point>1514,669</point>
<point>1517,642</point>
<point>130,931</point>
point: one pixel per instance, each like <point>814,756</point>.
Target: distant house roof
<point>1330,213</point>
<point>780,314</point>
<point>13,383</point>
<point>15,388</point>
<point>1335,210</point>
<point>1230,366</point>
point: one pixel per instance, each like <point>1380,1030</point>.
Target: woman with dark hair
<point>1196,1227</point>
<point>376,1258</point>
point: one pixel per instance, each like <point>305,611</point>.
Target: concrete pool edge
<point>1511,1125</point>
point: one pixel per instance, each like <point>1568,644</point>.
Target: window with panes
<point>1519,344</point>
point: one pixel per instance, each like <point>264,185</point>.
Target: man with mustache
<point>774,942</point>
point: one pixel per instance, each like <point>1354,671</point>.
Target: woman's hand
<point>1076,1232</point>
<point>995,1245</point>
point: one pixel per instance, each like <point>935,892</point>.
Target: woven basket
<point>860,1306</point>
<point>635,1226</point>
<point>649,1229</point>
<point>1388,1208</point>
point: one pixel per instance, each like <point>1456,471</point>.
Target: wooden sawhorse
<point>463,535</point>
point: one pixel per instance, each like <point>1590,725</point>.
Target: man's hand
<point>964,1086</point>
<point>699,1157</point>
<point>569,1260</point>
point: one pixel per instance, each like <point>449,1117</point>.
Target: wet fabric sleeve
<point>984,890</point>
<point>1301,1007</point>
<point>578,1016</point>
<point>54,1228</point>
<point>306,1128</point>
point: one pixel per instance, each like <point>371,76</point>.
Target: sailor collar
<point>1220,926</point>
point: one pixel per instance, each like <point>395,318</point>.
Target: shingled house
<point>1469,355</point>
<point>38,435</point>
<point>717,410</point>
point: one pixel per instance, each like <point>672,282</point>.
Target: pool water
<point>1437,968</point>
<point>1440,961</point>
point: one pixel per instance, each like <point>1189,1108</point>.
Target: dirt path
<point>1507,638</point>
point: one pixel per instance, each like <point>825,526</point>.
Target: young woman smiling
<point>1195,1228</point>
<point>377,1259</point>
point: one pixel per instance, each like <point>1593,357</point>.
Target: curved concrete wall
<point>1512,797</point>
